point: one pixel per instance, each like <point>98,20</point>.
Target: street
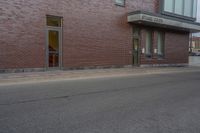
<point>160,103</point>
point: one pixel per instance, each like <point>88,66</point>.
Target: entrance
<point>135,52</point>
<point>136,46</point>
<point>54,38</point>
<point>53,48</point>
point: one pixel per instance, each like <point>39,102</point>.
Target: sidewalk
<point>31,77</point>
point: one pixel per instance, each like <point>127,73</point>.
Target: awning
<point>158,20</point>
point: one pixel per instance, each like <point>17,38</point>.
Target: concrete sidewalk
<point>31,77</point>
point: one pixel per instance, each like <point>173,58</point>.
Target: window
<point>186,9</point>
<point>148,45</point>
<point>194,9</point>
<point>54,21</point>
<point>168,5</point>
<point>161,44</point>
<point>120,2</point>
<point>178,7</point>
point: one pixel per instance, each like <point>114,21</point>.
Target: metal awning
<point>158,20</point>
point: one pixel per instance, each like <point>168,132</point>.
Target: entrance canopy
<point>158,20</point>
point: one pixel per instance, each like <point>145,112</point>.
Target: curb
<point>29,78</point>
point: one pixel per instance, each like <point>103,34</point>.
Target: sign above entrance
<point>158,20</point>
<point>152,19</point>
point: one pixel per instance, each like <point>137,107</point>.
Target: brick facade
<point>95,33</point>
<point>195,42</point>
<point>176,47</point>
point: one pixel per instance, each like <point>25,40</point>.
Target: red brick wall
<point>95,32</point>
<point>176,47</point>
<point>22,34</point>
<point>196,42</point>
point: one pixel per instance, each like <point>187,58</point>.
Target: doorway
<point>135,52</point>
<point>136,46</point>
<point>54,41</point>
<point>53,48</point>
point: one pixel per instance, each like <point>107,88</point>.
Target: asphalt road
<point>167,103</point>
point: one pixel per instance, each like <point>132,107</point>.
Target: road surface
<point>162,103</point>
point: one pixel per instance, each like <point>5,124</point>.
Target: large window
<point>186,9</point>
<point>168,5</point>
<point>179,7</point>
<point>195,9</point>
<point>149,44</point>
<point>161,44</point>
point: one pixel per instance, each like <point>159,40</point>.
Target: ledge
<point>158,20</point>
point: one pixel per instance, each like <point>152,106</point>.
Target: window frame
<point>162,35</point>
<point>149,55</point>
<point>60,20</point>
<point>192,17</point>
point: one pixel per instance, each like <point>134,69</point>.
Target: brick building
<point>71,34</point>
<point>195,47</point>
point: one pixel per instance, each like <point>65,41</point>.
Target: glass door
<point>53,48</point>
<point>135,51</point>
